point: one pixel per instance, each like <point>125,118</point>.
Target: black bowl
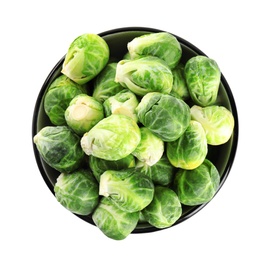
<point>222,156</point>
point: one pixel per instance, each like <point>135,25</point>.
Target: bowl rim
<point>226,86</point>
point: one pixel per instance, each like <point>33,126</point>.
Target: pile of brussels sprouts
<point>130,138</point>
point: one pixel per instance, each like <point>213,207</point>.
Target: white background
<point>36,34</point>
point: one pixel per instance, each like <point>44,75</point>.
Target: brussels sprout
<point>161,173</point>
<point>114,222</point>
<point>179,87</point>
<point>124,103</point>
<point>217,121</point>
<point>190,149</point>
<point>144,75</point>
<point>59,147</point>
<point>87,55</point>
<point>77,191</point>
<point>126,56</point>
<point>112,138</point>
<point>150,149</point>
<point>203,79</point>
<point>141,218</point>
<point>165,208</point>
<point>197,186</point>
<point>98,166</point>
<point>104,84</point>
<point>61,91</point>
<point>165,116</point>
<point>83,113</point>
<point>162,45</point>
<point>129,189</point>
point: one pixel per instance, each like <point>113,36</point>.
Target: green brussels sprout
<point>98,166</point>
<point>87,55</point>
<point>203,79</point>
<point>112,138</point>
<point>197,186</point>
<point>126,56</point>
<point>190,149</point>
<point>60,92</point>
<point>124,103</point>
<point>144,75</point>
<point>83,113</point>
<point>104,84</point>
<point>165,116</point>
<point>162,45</point>
<point>59,147</point>
<point>161,173</point>
<point>179,87</point>
<point>141,218</point>
<point>114,222</point>
<point>150,149</point>
<point>129,189</point>
<point>217,121</point>
<point>77,191</point>
<point>165,208</point>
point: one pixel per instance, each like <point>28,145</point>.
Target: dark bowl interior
<point>222,156</point>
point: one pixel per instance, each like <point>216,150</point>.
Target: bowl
<point>222,156</point>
